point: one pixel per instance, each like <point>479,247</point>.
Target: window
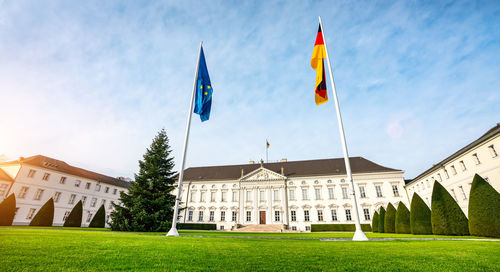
<point>103,202</point>
<point>84,199</point>
<point>317,193</point>
<point>331,194</point>
<point>31,173</point>
<point>114,191</point>
<point>89,216</point>
<point>234,216</point>
<point>367,214</point>
<point>93,202</point>
<point>46,176</point>
<point>249,196</point>
<point>72,199</point>
<point>294,227</point>
<point>87,186</point>
<point>222,215</point>
<point>379,190</point>
<point>77,183</point>
<point>211,216</point>
<point>193,196</point>
<point>202,196</point>
<point>106,190</point>
<point>395,190</point>
<point>223,196</point>
<point>293,215</point>
<point>3,189</point>
<point>308,228</point>
<point>235,196</point>
<point>262,195</point>
<point>348,215</point>
<point>362,192</point>
<point>439,177</point>
<point>453,170</point>
<point>463,192</point>
<point>249,216</point>
<point>111,204</point>
<point>334,215</point>
<point>454,195</point>
<point>462,164</point>
<point>98,187</point>
<point>476,158</point>
<point>304,194</point>
<point>320,215</point>
<point>31,213</point>
<point>277,216</point>
<point>38,194</point>
<point>446,174</point>
<point>200,216</point>
<point>221,227</point>
<point>212,196</point>
<point>276,195</point>
<point>291,194</point>
<point>57,195</point>
<point>492,150</point>
<point>190,215</point>
<point>62,180</point>
<point>306,215</point>
<point>66,215</point>
<point>345,195</point>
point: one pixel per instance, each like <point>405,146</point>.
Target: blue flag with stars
<point>203,98</point>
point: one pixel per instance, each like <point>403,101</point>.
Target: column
<point>269,204</point>
<point>241,201</point>
<point>284,205</point>
<point>255,213</point>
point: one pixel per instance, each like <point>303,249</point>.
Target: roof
<point>492,132</point>
<point>61,166</point>
<point>4,176</point>
<point>291,169</point>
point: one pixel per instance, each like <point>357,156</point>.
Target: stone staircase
<point>261,228</point>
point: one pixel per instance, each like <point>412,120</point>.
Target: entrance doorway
<point>262,216</point>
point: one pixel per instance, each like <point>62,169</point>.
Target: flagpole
<point>267,149</point>
<point>358,235</point>
<point>173,229</point>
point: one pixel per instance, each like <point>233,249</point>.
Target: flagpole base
<point>359,235</point>
<point>173,232</point>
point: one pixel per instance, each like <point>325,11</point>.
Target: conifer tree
<point>74,218</point>
<point>7,210</point>
<point>420,216</point>
<point>402,219</point>
<point>375,222</point>
<point>149,203</point>
<point>447,217</point>
<point>390,219</point>
<point>99,220</point>
<point>44,216</point>
<point>484,209</point>
<point>381,220</point>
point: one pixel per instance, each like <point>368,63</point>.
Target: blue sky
<point>91,83</point>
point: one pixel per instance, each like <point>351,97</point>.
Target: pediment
<point>262,174</point>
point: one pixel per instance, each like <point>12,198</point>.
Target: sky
<point>92,82</point>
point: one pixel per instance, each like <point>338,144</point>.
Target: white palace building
<point>288,194</point>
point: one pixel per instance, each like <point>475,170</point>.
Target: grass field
<point>56,249</point>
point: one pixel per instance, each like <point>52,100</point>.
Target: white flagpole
<point>358,235</point>
<point>173,229</point>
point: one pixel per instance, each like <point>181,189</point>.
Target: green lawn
<point>27,249</point>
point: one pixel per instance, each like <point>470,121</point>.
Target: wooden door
<point>262,217</point>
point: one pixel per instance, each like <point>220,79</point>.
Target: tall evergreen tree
<point>44,216</point>
<point>99,220</point>
<point>484,209</point>
<point>375,222</point>
<point>149,203</point>
<point>381,220</point>
<point>74,218</point>
<point>7,210</point>
<point>390,219</point>
<point>402,219</point>
<point>447,217</point>
<point>420,216</point>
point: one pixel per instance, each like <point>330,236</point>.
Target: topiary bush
<point>99,220</point>
<point>390,219</point>
<point>420,216</point>
<point>484,209</point>
<point>196,226</point>
<point>338,227</point>
<point>402,219</point>
<point>8,210</point>
<point>74,218</point>
<point>381,220</point>
<point>375,222</point>
<point>44,216</point>
<point>447,217</point>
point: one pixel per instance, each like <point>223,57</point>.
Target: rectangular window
<point>234,216</point>
<point>223,196</point>
<point>308,228</point>
<point>294,227</point>
<point>249,195</point>
<point>453,194</point>
<point>212,196</point>
<point>277,216</point>
<point>193,196</point>
<point>291,194</point>
<point>331,194</point>
<point>276,195</point>
<point>202,196</point>
<point>320,215</point>
<point>395,190</point>
<point>103,202</point>
<point>222,215</point>
<point>221,227</point>
<point>66,215</point>
<point>106,190</point>
<point>476,158</point>
<point>31,173</point>
<point>72,199</point>
<point>111,204</point>
<point>463,192</point>
<point>235,196</point>
<point>446,174</point>
<point>462,164</point>
<point>345,195</point>
<point>3,189</point>
<point>190,215</point>
<point>84,199</point>
<point>317,193</point>
<point>93,202</point>
<point>439,177</point>
<point>367,214</point>
<point>89,217</point>
<point>334,215</point>
<point>453,170</point>
<point>348,215</point>
<point>200,216</point>
<point>46,176</point>
<point>249,216</point>
<point>362,192</point>
<point>293,215</point>
<point>262,195</point>
<point>77,183</point>
<point>87,185</point>
<point>98,187</point>
<point>57,195</point>
<point>492,150</point>
<point>379,190</point>
<point>114,191</point>
<point>31,213</point>
<point>211,216</point>
<point>38,194</point>
<point>62,180</point>
<point>306,215</point>
<point>304,194</point>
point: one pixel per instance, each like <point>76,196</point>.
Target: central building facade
<point>288,194</point>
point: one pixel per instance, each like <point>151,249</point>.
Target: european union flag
<point>203,98</point>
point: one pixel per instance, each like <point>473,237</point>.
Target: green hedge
<point>7,210</point>
<point>381,220</point>
<point>484,209</point>
<point>99,220</point>
<point>375,222</point>
<point>447,217</point>
<point>402,219</point>
<point>390,219</point>
<point>44,216</point>
<point>74,218</point>
<point>338,227</point>
<point>420,216</point>
<point>196,226</point>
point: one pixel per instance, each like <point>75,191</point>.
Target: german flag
<point>318,64</point>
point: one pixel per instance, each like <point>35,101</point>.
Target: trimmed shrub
<point>74,218</point>
<point>447,217</point>
<point>338,227</point>
<point>44,216</point>
<point>381,220</point>
<point>196,226</point>
<point>390,219</point>
<point>402,219</point>
<point>99,220</point>
<point>484,209</point>
<point>8,210</point>
<point>420,216</point>
<point>375,222</point>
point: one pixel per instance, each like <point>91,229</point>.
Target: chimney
<point>251,162</point>
<point>284,160</point>
<point>282,171</point>
<point>242,172</point>
<point>21,159</point>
